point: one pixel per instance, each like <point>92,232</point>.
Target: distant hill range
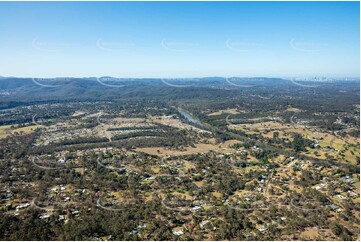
<point>14,90</point>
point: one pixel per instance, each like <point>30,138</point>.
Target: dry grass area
<point>128,120</point>
<point>167,121</point>
<point>161,151</point>
<point>315,233</point>
<point>177,194</point>
<point>188,165</point>
<point>173,122</point>
<point>241,193</point>
<point>269,135</point>
<point>199,148</point>
<point>4,131</point>
<point>271,127</point>
<point>183,195</point>
<point>217,194</point>
<point>324,139</point>
<point>122,196</point>
<point>7,130</point>
<point>228,111</point>
<point>80,170</point>
<point>310,233</point>
<point>77,113</point>
<point>26,130</point>
<point>280,158</point>
<point>199,183</point>
<point>155,169</point>
<point>296,110</point>
<point>259,126</point>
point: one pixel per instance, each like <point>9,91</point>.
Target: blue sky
<point>179,39</point>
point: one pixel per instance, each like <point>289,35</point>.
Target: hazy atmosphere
<point>179,39</point>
